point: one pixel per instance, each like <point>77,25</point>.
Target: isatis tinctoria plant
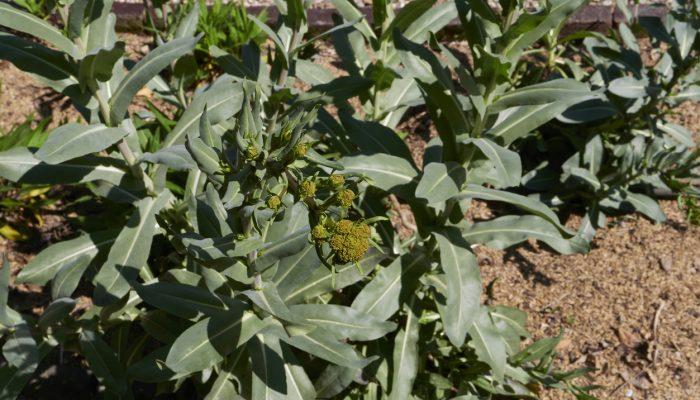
<point>276,273</point>
<point>617,152</point>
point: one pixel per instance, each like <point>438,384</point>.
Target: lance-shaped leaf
<point>222,100</point>
<point>294,271</point>
<point>210,340</point>
<point>299,386</point>
<point>22,166</point>
<point>184,301</point>
<point>372,137</point>
<point>406,353</point>
<point>188,26</point>
<point>488,343</point>
<point>391,286</point>
<point>325,345</point>
<point>630,87</point>
<point>269,376</point>
<point>525,203</point>
<point>68,277</point>
<point>220,251</point>
<point>391,173</point>
<point>531,27</point>
<point>130,251</point>
<point>463,285</point>
<point>56,312</point>
<point>145,70</point>
<point>20,349</point>
<point>99,64</point>
<point>44,266</point>
<point>645,205</point>
<point>542,93</point>
<point>518,122</point>
<point>506,163</point>
<point>104,362</point>
<point>323,281</point>
<point>587,111</point>
<point>74,140</point>
<point>48,65</point>
<point>13,18</point>
<point>345,322</point>
<point>94,24</point>
<point>441,181</point>
<point>509,230</point>
<point>175,157</point>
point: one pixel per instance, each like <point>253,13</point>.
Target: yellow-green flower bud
<point>350,240</point>
<point>336,180</point>
<point>300,150</point>
<point>319,233</point>
<point>251,152</point>
<point>344,198</point>
<point>307,189</point>
<point>274,202</point>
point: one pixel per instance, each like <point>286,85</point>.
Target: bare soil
<point>630,308</point>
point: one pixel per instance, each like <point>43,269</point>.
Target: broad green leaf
<point>324,345</point>
<point>391,286</point>
<point>323,281</point>
<point>98,30</point>
<point>222,100</point>
<point>518,122</point>
<point>350,13</point>
<point>210,340</point>
<point>58,310</point>
<point>525,203</point>
<point>441,181</point>
<point>406,354</point>
<point>685,34</point>
<point>312,73</point>
<point>220,251</point>
<point>174,157</point>
<point>645,205</point>
<point>372,137</point>
<point>188,26</point>
<point>103,362</point>
<point>510,230</point>
<point>49,66</point>
<point>345,322</point>
<point>73,140</point>
<point>184,301</point>
<point>145,70</point>
<point>162,326</point>
<point>543,93</point>
<point>391,173</point>
<point>13,18</point>
<point>269,375</point>
<point>587,111</point>
<point>130,251</point>
<point>629,87</point>
<point>20,349</point>
<point>294,271</point>
<point>68,277</point>
<point>488,344</point>
<point>514,41</point>
<point>21,165</point>
<point>463,285</point>
<point>408,15</point>
<point>299,386</point>
<point>49,261</point>
<point>99,64</point>
<point>333,380</point>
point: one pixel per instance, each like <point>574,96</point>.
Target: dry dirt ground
<point>630,308</point>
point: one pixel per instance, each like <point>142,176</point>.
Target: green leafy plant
<point>615,153</point>
<point>255,258</point>
<point>222,25</point>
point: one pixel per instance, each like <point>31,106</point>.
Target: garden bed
<point>629,308</point>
